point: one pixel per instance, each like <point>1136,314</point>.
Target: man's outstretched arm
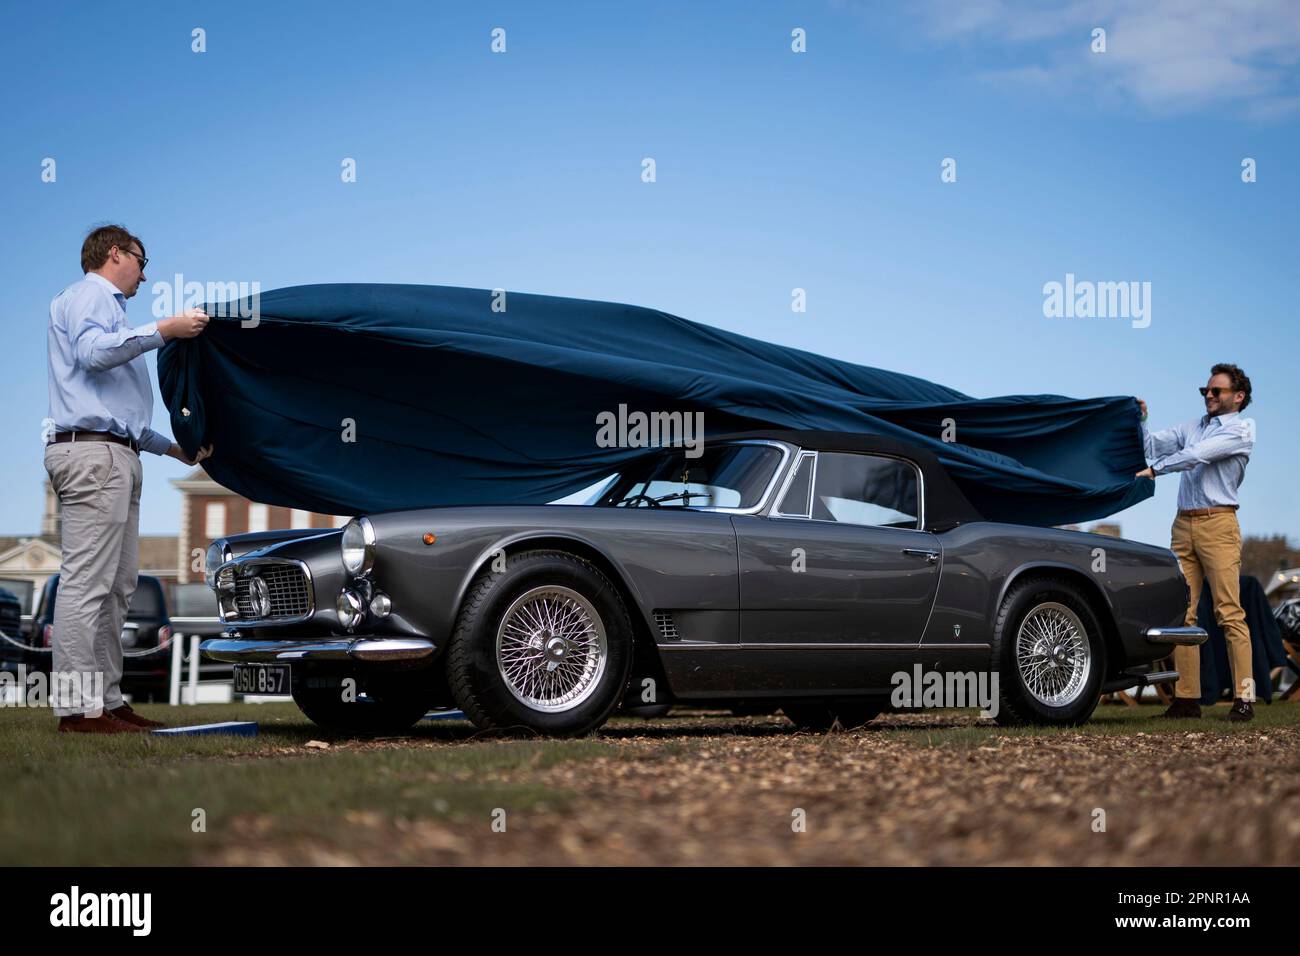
<point>1235,438</point>
<point>1160,443</point>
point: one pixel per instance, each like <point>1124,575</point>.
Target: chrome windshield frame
<point>778,473</point>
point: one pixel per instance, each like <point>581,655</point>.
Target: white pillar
<point>194,669</point>
<point>174,697</point>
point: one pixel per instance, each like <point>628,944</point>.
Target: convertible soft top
<point>945,505</point>
<point>349,399</point>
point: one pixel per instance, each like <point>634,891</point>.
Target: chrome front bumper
<point>336,649</point>
<point>1189,636</point>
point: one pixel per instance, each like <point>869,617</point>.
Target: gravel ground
<point>910,789</point>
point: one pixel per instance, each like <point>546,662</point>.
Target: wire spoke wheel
<point>1053,654</point>
<point>551,648</point>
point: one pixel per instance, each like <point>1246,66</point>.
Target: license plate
<point>262,679</point>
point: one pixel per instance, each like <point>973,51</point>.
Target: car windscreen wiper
<point>680,495</point>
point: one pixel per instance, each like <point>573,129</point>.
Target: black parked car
<point>11,615</point>
<point>146,639</point>
<point>799,570</point>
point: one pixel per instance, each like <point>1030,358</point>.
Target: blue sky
<point>775,170</point>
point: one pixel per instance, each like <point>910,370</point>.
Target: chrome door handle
<point>930,556</point>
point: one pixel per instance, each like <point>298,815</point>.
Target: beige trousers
<point>1209,549</point>
<point>98,486</point>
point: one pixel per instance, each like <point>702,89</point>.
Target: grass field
<point>940,787</point>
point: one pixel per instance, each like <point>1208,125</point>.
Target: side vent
<point>667,626</point>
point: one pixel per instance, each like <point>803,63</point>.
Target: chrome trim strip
<point>329,649</point>
<point>777,474</point>
<point>920,489</point>
<point>1186,636</point>
<point>789,480</point>
<point>817,647</point>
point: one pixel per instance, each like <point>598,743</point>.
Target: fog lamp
<point>350,607</point>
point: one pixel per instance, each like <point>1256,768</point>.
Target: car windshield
<point>724,476</point>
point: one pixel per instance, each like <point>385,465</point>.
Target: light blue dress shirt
<point>98,377</point>
<point>1211,453</point>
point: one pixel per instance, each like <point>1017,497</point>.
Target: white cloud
<point>1170,56</point>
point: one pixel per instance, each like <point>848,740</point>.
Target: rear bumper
<point>359,649</point>
<point>1187,636</point>
<point>1131,679</point>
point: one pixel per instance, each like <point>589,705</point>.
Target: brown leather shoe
<point>106,723</point>
<point>1242,710</point>
<point>1182,708</point>
<point>131,717</point>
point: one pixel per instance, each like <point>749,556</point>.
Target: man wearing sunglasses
<point>101,403</point>
<point>1210,453</point>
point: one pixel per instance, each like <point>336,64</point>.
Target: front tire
<point>1050,654</point>
<point>543,647</point>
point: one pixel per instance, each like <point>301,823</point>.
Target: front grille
<point>288,586</point>
<point>667,626</point>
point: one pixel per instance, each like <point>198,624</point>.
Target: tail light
<point>47,634</point>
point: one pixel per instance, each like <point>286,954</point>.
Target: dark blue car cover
<point>353,398</point>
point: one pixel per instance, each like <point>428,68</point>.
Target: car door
<point>841,563</point>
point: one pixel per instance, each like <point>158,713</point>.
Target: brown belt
<point>97,436</point>
<point>1202,512</point>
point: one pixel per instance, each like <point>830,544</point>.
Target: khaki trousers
<point>98,486</point>
<point>1209,549</point>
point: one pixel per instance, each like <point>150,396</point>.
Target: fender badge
<point>956,630</point>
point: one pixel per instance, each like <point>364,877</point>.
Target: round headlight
<point>218,554</point>
<point>350,608</point>
<point>358,546</point>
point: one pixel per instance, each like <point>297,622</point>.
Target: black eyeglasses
<point>144,260</point>
<point>1218,392</point>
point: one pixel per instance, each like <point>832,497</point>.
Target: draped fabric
<point>355,398</point>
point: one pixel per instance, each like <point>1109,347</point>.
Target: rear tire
<point>543,647</point>
<point>1050,654</point>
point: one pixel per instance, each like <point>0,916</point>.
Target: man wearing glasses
<point>101,403</point>
<point>1211,453</point>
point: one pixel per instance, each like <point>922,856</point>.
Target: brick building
<point>33,558</point>
<point>210,511</point>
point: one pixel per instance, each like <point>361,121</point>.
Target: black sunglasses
<point>144,260</point>
<point>1218,392</point>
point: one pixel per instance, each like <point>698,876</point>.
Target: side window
<point>866,490</point>
<point>794,503</point>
